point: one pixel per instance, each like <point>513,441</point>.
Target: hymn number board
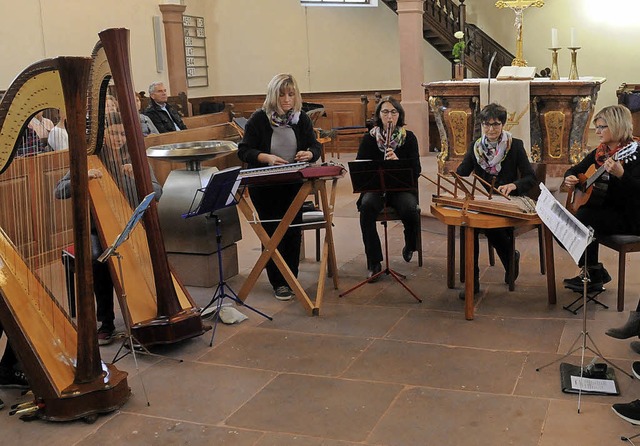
<point>195,51</point>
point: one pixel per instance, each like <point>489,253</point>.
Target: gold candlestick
<point>573,71</point>
<point>554,76</point>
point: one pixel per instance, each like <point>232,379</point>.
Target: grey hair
<point>152,87</point>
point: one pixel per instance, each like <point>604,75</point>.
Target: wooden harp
<point>59,356</point>
<point>158,308</point>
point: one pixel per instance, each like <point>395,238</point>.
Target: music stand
<point>218,194</point>
<point>124,307</point>
<point>575,237</point>
<point>382,176</point>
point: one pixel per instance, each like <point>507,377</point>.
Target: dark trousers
<point>271,203</point>
<point>604,221</point>
<point>9,357</point>
<point>501,239</point>
<point>102,286</point>
<point>371,204</point>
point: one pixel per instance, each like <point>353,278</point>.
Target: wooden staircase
<point>442,18</point>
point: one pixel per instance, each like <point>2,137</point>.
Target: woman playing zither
<point>619,211</point>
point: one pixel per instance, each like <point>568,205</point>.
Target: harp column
<point>412,70</point>
<point>174,40</point>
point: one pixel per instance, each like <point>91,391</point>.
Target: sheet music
<point>594,385</point>
<point>232,196</point>
<point>573,235</point>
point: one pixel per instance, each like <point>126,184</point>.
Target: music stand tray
<point>218,194</point>
<point>383,176</point>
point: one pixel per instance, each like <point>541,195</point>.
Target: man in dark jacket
<point>163,115</point>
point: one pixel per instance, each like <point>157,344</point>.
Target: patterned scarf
<point>288,119</point>
<point>603,152</point>
<point>490,155</point>
<point>398,136</point>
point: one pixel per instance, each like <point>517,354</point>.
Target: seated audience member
<point>29,144</point>
<point>58,137</point>
<point>499,159</point>
<point>145,122</point>
<point>116,159</point>
<point>403,145</point>
<point>111,105</point>
<point>11,377</point>
<point>619,209</point>
<point>163,115</point>
<point>41,125</point>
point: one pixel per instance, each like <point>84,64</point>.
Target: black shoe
<point>1,404</point>
<point>516,267</point>
<point>375,269</point>
<point>283,292</point>
<point>628,411</point>
<point>635,368</point>
<point>13,379</point>
<point>407,254</point>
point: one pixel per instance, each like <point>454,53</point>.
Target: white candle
<point>554,38</point>
<point>573,38</point>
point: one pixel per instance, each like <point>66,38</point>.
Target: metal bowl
<point>191,151</point>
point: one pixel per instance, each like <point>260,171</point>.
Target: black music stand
<point>382,176</point>
<point>219,194</point>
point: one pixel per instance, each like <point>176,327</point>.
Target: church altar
<point>560,112</point>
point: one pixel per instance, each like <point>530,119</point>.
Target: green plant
<point>458,47</point>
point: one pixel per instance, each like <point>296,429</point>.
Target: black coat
<point>515,169</point>
<point>161,120</point>
<point>258,133</point>
<point>368,150</point>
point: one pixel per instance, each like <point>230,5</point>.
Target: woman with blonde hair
<point>618,211</point>
<point>279,133</point>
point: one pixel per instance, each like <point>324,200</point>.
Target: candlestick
<point>554,38</point>
<point>554,76</point>
<point>573,71</point>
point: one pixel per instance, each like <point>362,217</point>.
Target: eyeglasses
<point>389,112</point>
<point>600,128</point>
<point>494,125</point>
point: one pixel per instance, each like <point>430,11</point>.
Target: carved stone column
<point>412,70</point>
<point>174,40</point>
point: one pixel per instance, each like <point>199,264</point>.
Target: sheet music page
<point>593,385</point>
<point>232,196</point>
<point>573,235</point>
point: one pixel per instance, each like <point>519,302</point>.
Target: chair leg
<point>419,241</point>
<point>462,254</point>
<point>542,254</point>
<point>317,245</point>
<point>492,254</point>
<point>621,273</point>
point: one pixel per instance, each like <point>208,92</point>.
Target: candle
<point>573,38</point>
<point>554,38</point>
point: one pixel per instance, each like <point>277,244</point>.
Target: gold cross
<point>518,7</point>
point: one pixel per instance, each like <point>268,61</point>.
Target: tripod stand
<point>383,177</point>
<point>217,195</point>
<point>221,290</point>
<point>584,336</point>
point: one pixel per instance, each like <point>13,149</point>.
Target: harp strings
<point>117,161</point>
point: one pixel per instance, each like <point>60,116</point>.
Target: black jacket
<point>257,138</point>
<point>515,169</point>
<point>161,120</point>
<point>368,150</point>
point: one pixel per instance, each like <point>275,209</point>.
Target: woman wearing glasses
<point>389,140</point>
<point>499,159</point>
<point>619,209</point>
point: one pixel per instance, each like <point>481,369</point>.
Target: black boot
<point>630,329</point>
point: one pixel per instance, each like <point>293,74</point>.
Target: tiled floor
<point>376,367</point>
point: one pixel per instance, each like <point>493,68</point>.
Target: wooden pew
<point>210,118</point>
